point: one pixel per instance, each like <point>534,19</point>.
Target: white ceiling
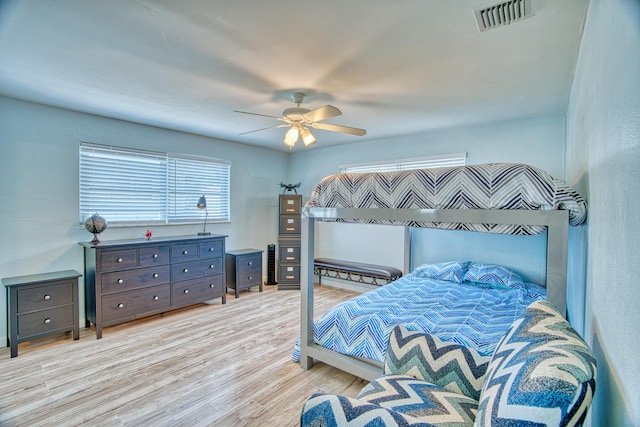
<point>392,66</point>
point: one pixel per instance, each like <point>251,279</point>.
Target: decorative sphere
<point>95,224</point>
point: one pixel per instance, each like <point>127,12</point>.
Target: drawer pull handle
<point>119,260</point>
<point>186,291</point>
<point>156,298</point>
<point>250,277</point>
<point>185,252</point>
<point>155,275</point>
<point>212,266</point>
<point>47,321</point>
<point>211,285</point>
<point>290,277</point>
<point>289,258</point>
<point>211,249</point>
<point>121,305</point>
<point>120,281</point>
<point>250,263</point>
<point>155,255</point>
<point>47,297</point>
<point>186,270</point>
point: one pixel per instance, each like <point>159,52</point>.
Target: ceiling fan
<point>300,119</point>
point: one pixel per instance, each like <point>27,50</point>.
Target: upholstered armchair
<point>541,373</point>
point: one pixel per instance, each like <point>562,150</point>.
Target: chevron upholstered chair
<point>541,373</point>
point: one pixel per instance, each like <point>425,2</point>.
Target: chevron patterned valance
<point>484,186</point>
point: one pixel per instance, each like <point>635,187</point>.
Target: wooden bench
<point>355,271</point>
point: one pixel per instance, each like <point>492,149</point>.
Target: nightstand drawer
<point>125,280</point>
<point>49,296</point>
<point>132,303</point>
<point>45,321</point>
<point>197,290</point>
<point>249,262</point>
<point>248,279</point>
<point>118,260</point>
<point>158,255</point>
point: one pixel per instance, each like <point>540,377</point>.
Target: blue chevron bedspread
<point>483,186</point>
<point>474,314</point>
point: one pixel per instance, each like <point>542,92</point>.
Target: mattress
<point>475,314</point>
<point>484,186</point>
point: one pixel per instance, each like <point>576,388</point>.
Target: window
<point>133,187</point>
<point>445,160</point>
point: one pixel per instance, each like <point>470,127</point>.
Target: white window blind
<point>444,160</point>
<point>133,187</point>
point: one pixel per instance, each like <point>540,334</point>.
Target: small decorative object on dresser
<point>95,224</point>
<point>202,204</point>
<point>244,269</point>
<point>39,305</point>
<point>129,279</point>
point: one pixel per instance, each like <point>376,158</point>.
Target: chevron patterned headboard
<point>483,186</point>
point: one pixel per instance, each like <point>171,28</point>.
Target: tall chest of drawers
<point>289,241</point>
<point>129,279</point>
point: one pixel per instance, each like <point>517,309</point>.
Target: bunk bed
<point>503,198</point>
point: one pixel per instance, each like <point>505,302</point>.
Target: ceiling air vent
<point>502,14</point>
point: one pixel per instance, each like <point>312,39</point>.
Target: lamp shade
<point>202,202</point>
<point>307,136</point>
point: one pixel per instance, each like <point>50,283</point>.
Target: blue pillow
<point>452,271</point>
<point>494,275</point>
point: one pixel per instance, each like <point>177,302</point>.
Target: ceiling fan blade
<point>258,130</point>
<point>262,115</point>
<point>322,113</point>
<point>339,128</point>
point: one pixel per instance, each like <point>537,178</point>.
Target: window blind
<point>444,160</point>
<point>134,187</point>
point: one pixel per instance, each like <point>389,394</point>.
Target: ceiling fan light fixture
<point>291,137</point>
<point>307,136</point>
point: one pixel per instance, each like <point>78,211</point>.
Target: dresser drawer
<point>289,254</point>
<point>289,224</point>
<point>249,262</point>
<point>49,296</point>
<point>211,249</point>
<point>44,321</point>
<point>197,290</point>
<point>117,260</point>
<point>132,303</point>
<point>289,273</point>
<point>125,280</point>
<point>158,255</point>
<point>184,252</point>
<point>191,270</point>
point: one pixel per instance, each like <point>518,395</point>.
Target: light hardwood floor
<point>207,365</point>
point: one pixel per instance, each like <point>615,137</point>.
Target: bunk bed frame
<point>555,221</point>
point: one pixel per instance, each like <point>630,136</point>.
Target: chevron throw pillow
<point>541,373</point>
<point>420,400</point>
<point>330,410</point>
<point>447,364</point>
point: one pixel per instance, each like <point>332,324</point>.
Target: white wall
<point>603,159</point>
<point>39,224</point>
<point>539,141</point>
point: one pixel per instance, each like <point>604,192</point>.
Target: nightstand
<point>244,269</point>
<point>40,305</point>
